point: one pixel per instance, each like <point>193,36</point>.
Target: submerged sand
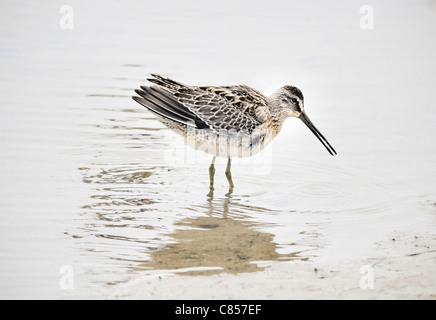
<point>403,268</point>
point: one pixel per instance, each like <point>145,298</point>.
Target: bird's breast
<point>231,144</point>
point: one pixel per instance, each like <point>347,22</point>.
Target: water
<point>90,180</point>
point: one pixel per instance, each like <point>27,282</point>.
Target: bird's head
<point>289,102</point>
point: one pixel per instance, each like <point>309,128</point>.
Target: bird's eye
<point>294,101</point>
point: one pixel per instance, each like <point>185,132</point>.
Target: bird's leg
<point>212,173</point>
<point>229,174</point>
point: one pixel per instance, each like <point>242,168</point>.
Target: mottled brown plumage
<point>227,107</point>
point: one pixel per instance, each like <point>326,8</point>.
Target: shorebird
<point>224,121</point>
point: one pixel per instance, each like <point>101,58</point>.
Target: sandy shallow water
<point>399,270</point>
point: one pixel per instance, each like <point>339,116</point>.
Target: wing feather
<point>218,108</point>
<point>226,107</point>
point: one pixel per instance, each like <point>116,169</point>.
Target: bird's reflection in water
<point>220,241</point>
<point>123,225</point>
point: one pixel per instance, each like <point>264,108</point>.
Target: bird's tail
<point>166,82</point>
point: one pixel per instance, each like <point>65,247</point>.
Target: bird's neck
<point>275,125</point>
<point>276,115</point>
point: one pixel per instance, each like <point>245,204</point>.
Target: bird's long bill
<point>318,134</point>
